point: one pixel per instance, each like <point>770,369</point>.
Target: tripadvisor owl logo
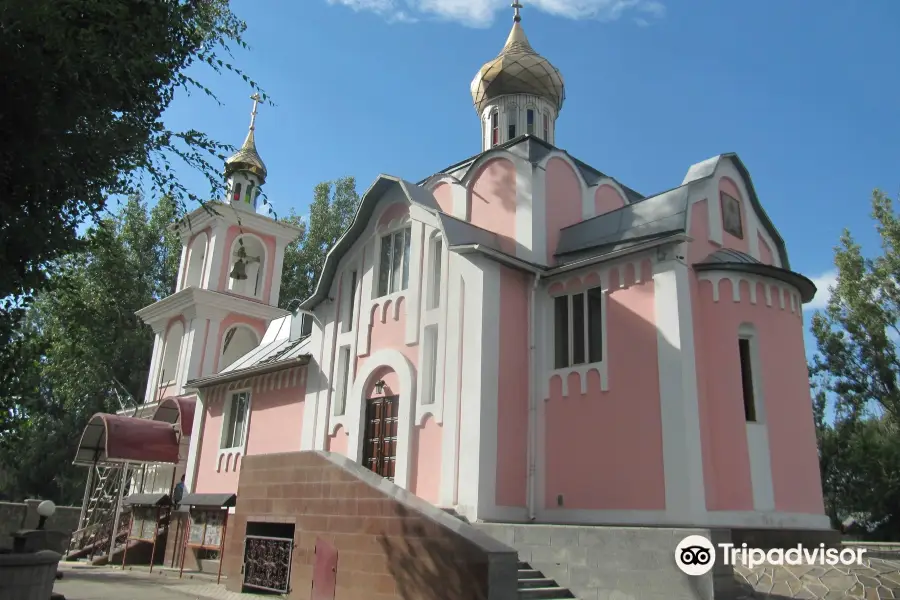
<point>695,555</point>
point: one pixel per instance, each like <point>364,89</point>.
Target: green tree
<point>330,215</point>
<point>857,367</point>
<point>86,85</point>
<point>84,348</point>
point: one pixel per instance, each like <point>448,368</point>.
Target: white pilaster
<point>182,265</point>
<point>685,492</point>
<point>315,383</point>
<point>456,296</point>
<point>414,293</point>
<point>277,268</point>
<point>212,349</point>
<point>155,364</point>
<point>191,468</point>
<point>217,254</point>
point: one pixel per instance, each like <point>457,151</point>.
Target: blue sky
<point>804,91</point>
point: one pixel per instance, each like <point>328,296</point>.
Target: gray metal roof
<point>648,219</point>
<point>147,500</point>
<point>209,500</point>
<point>734,260</point>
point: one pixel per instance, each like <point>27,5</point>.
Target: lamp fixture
<point>379,386</point>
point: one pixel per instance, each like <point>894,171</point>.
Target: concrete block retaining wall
<point>620,563</point>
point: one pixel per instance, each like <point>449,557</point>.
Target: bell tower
<point>229,280</point>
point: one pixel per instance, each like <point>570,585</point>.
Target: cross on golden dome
<point>518,6</point>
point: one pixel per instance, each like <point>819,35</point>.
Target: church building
<point>519,337</point>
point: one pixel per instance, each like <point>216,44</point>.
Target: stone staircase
<point>532,584</point>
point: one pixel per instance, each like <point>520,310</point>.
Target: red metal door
<point>324,571</point>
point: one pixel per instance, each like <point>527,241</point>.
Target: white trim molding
<point>654,518</point>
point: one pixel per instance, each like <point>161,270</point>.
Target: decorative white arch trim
<point>420,420</point>
<point>611,183</point>
<point>201,242</point>
<point>406,373</point>
<point>249,328</point>
<point>587,196</point>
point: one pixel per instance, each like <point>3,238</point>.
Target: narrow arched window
<point>495,128</point>
<point>249,196</point>
<point>546,126</point>
<point>512,118</point>
<point>530,123</point>
<point>237,192</point>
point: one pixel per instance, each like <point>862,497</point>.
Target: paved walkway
<point>82,582</point>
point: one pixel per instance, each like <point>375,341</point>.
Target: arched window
<point>530,123</point>
<point>246,279</point>
<point>237,192</point>
<point>546,126</point>
<point>751,386</point>
<point>434,285</point>
<point>237,341</point>
<point>495,128</point>
<point>195,264</point>
<point>171,351</point>
<point>512,119</point>
<point>250,197</point>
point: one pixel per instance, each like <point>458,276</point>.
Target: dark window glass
<point>578,329</point>
<point>561,337</point>
<point>747,380</point>
<point>595,324</point>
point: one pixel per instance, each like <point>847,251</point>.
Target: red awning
<point>118,439</point>
<point>177,409</point>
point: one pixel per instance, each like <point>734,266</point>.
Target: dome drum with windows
<point>245,170</point>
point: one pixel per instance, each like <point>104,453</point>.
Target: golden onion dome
<point>247,158</point>
<point>518,69</point>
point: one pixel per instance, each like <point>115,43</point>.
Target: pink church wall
<point>386,332</point>
<point>607,199</point>
<point>492,201</point>
<point>269,243</point>
<point>598,441</point>
<point>443,193</point>
<point>563,197</point>
<point>276,420</point>
<point>788,407</point>
<point>425,477</point>
<point>257,325</point>
<point>339,441</point>
<point>699,227</point>
<point>512,398</point>
<point>211,480</point>
<point>275,423</point>
<point>765,253</point>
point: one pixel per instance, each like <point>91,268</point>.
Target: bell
<point>239,272</point>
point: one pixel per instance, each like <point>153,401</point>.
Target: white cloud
<point>481,13</point>
<point>824,283</point>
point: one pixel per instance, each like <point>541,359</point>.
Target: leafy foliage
<point>87,83</point>
<point>330,215</point>
<point>857,367</point>
<point>83,347</point>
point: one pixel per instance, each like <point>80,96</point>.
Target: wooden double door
<point>380,451</point>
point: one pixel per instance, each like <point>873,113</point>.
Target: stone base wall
<point>23,515</point>
<point>390,544</point>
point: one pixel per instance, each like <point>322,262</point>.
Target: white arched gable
<point>457,188</point>
<point>196,261</point>
<point>406,374</point>
<point>611,183</point>
<point>244,339</point>
<point>255,283</point>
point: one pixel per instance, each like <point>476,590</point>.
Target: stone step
<point>536,582</point>
<point>529,574</point>
<point>545,593</point>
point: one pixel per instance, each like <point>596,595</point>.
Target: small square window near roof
<point>731,216</point>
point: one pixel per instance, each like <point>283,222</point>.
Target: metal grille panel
<point>267,563</point>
